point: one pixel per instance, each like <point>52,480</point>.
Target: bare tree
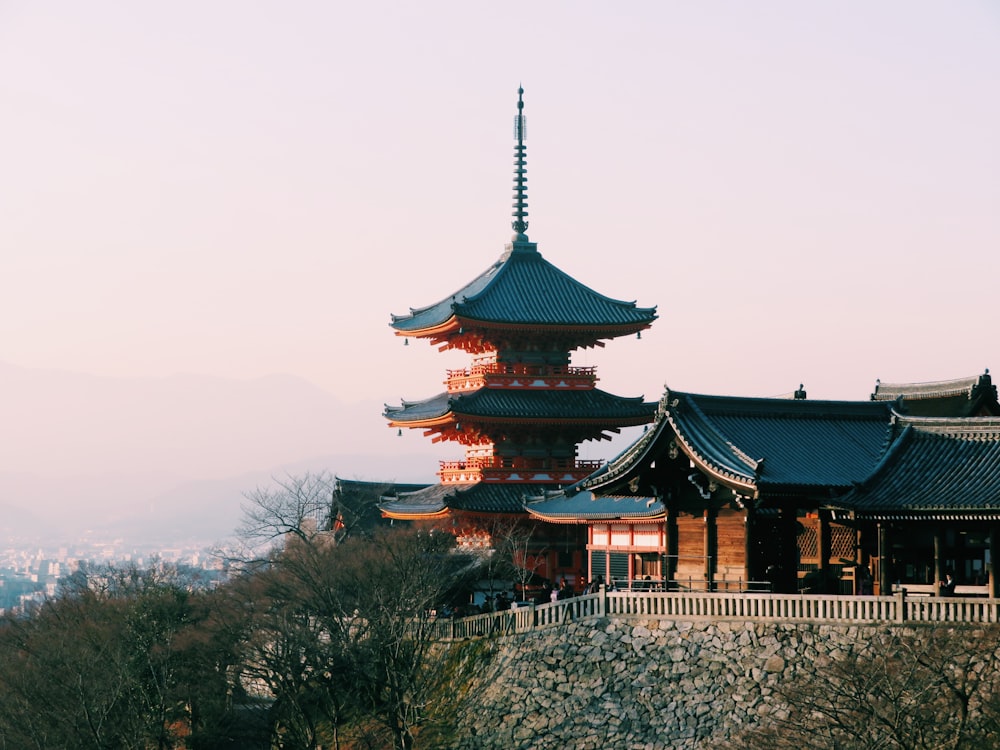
<point>511,557</point>
<point>392,586</point>
<point>340,625</point>
<point>106,667</point>
<point>901,689</point>
<point>297,507</point>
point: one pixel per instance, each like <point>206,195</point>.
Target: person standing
<point>947,586</point>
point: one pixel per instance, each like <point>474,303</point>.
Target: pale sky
<point>809,192</point>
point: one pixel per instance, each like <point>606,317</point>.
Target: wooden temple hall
<point>719,492</point>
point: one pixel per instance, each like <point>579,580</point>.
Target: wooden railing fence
<point>756,607</point>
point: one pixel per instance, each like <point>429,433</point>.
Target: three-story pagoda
<point>521,408</point>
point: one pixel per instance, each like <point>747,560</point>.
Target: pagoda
<point>520,409</point>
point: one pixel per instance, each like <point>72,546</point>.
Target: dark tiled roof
<point>757,445</point>
<point>781,444</point>
<point>938,467</point>
<point>589,406</point>
<point>356,501</point>
<point>479,497</point>
<point>496,497</point>
<point>423,502</point>
<point>963,397</point>
<point>380,488</point>
<point>523,288</point>
<point>586,506</point>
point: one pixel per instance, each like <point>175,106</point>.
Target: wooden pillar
<point>788,581</point>
<point>673,547</point>
<point>884,560</point>
<point>994,579</point>
<point>938,560</point>
<point>751,562</point>
<point>824,545</point>
<point>862,573</point>
<point>711,547</point>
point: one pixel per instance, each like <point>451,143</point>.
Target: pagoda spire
<point>520,223</point>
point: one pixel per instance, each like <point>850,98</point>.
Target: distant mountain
<point>175,454</point>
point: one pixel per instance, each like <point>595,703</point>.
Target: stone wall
<point>635,684</point>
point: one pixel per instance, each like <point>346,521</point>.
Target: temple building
<point>729,493</point>
<point>520,409</point>
<point>719,493</point>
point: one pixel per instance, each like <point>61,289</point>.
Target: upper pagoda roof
<point>554,407</point>
<point>974,396</point>
<point>938,469</point>
<point>523,290</point>
<point>759,446</point>
<point>479,497</point>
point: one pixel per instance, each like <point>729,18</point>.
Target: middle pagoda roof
<point>583,408</point>
<point>523,292</point>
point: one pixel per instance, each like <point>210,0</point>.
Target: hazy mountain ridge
<point>174,455</point>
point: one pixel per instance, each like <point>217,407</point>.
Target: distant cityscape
<point>31,571</point>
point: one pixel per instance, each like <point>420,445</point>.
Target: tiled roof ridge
<point>785,407</point>
<point>625,460</point>
<point>957,427</point>
<point>895,450</point>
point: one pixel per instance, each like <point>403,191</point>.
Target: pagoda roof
<point>554,407</point>
<point>963,397</point>
<point>478,497</point>
<point>523,290</point>
<point>938,469</point>
<point>584,506</point>
<point>760,446</point>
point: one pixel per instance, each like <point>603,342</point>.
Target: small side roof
<point>974,396</point>
<point>478,497</point>
<point>939,469</point>
<point>584,506</point>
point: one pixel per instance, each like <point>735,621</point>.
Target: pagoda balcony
<point>520,376</point>
<point>493,469</point>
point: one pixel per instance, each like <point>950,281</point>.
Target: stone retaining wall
<point>635,684</point>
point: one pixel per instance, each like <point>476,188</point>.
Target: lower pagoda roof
<point>559,407</point>
<point>938,469</point>
<point>479,497</point>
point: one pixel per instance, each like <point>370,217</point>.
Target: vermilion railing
<point>491,467</point>
<point>519,375</point>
